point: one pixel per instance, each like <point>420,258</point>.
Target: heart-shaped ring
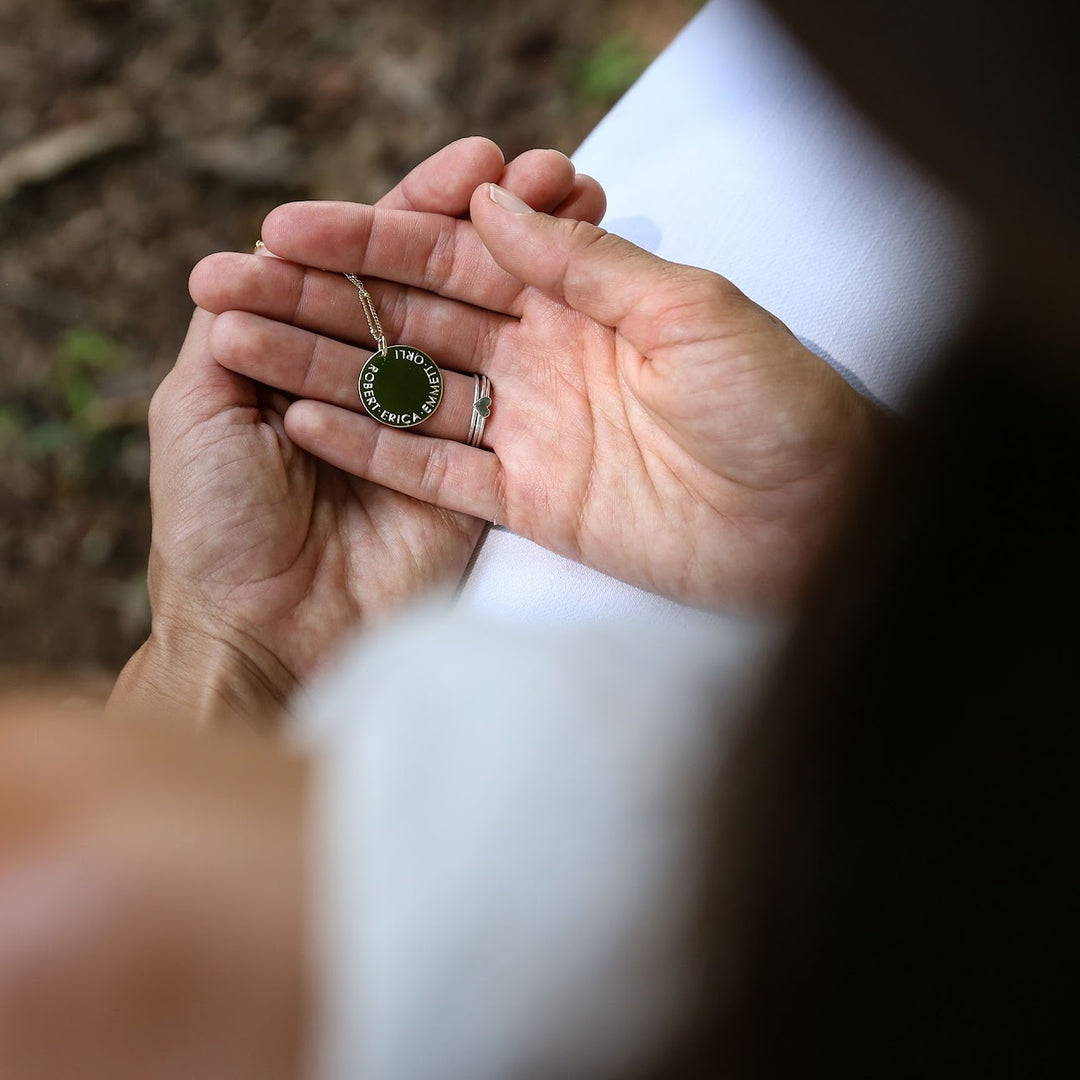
<point>481,409</point>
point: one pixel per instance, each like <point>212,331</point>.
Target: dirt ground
<point>136,136</point>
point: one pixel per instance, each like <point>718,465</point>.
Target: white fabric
<point>733,152</point>
<point>505,855</point>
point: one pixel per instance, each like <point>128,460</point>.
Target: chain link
<point>370,313</point>
<point>367,304</point>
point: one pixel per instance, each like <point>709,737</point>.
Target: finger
<point>599,274</point>
<point>197,386</point>
<point>456,335</point>
<point>306,365</point>
<point>428,251</point>
<point>545,178</point>
<point>542,178</point>
<point>444,182</point>
<point>436,471</point>
<point>272,408</point>
<point>194,358</point>
<point>586,201</point>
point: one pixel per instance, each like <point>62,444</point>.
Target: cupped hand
<point>648,418</point>
<point>263,555</point>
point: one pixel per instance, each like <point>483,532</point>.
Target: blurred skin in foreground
<point>151,900</point>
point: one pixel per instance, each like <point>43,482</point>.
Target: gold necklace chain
<point>370,313</point>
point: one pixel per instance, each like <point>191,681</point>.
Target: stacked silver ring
<point>481,409</point>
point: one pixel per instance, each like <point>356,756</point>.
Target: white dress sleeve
<point>505,846</point>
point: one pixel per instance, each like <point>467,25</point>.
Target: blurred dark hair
<point>982,91</point>
<point>892,891</point>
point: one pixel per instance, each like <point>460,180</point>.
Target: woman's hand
<point>648,418</point>
<point>263,556</point>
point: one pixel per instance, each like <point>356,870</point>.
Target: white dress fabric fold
<point>506,843</point>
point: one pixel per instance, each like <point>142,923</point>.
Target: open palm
<point>649,419</point>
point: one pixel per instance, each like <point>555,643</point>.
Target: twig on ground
<point>50,155</point>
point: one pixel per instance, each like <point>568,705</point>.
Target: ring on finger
<point>481,409</point>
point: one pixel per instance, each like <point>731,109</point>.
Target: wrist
<point>200,678</point>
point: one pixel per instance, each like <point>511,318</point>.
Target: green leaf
<point>609,71</point>
<point>83,350</point>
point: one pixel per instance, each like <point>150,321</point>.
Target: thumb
<point>593,271</point>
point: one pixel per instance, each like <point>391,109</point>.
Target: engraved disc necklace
<point>399,386</point>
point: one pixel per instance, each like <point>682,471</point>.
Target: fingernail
<point>502,197</point>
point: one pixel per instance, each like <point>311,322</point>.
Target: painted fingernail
<point>501,197</point>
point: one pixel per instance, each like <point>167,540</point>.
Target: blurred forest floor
<point>137,136</point>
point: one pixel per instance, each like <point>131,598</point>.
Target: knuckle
<point>499,497</point>
<point>436,466</point>
<point>304,295</point>
<point>394,305</point>
<point>487,341</point>
<point>584,235</point>
<point>317,368</point>
<point>442,258</point>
